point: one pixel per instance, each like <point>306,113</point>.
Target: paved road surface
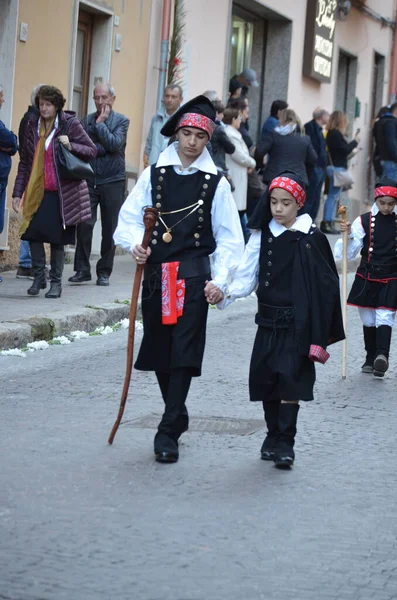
<point>80,520</point>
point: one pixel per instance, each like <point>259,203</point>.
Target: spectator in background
<point>235,89</point>
<point>247,79</point>
<point>273,119</point>
<point>238,164</point>
<point>220,142</point>
<point>386,142</point>
<point>51,206</point>
<point>155,142</point>
<point>8,147</point>
<point>108,130</point>
<point>211,95</point>
<point>242,105</point>
<point>338,149</point>
<point>288,149</point>
<point>25,270</point>
<point>315,130</point>
<point>376,160</point>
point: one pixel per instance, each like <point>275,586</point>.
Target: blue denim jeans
<point>333,195</point>
<point>389,169</point>
<point>3,187</point>
<point>313,197</point>
<point>25,259</point>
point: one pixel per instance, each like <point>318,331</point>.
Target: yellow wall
<point>45,58</point>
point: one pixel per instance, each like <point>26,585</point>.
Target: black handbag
<point>72,167</point>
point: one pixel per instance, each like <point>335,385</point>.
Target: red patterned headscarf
<point>291,186</point>
<point>197,121</point>
<point>385,190</point>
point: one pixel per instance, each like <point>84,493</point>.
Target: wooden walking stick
<point>149,219</point>
<point>343,212</point>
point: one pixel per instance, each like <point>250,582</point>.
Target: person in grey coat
<point>156,142</point>
<point>108,130</point>
<point>287,148</point>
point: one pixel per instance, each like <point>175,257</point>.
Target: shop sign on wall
<point>319,39</point>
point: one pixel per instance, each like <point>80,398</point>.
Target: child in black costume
<point>290,264</point>
<point>374,290</point>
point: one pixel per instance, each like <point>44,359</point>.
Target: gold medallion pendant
<point>167,237</point>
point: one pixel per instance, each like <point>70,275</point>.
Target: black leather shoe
<point>80,277</point>
<point>102,280</point>
<point>55,290</point>
<point>38,284</point>
<point>165,448</point>
<point>167,457</point>
<point>268,448</point>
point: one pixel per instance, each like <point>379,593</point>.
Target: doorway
<point>82,63</point>
<point>346,87</point>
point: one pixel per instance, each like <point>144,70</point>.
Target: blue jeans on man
<point>25,259</point>
<point>312,203</point>
<point>389,169</point>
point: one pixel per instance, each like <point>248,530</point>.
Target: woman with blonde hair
<point>338,151</point>
<point>288,148</point>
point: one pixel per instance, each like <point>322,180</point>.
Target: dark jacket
<point>315,285</point>
<point>30,114</point>
<point>315,133</point>
<point>8,147</point>
<point>293,152</point>
<point>338,148</point>
<point>385,131</point>
<point>74,196</point>
<point>220,146</point>
<point>110,139</point>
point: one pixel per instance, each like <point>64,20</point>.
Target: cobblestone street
<point>80,520</point>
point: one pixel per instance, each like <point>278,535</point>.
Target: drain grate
<point>218,425</point>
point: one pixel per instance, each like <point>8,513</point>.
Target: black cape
<point>315,283</point>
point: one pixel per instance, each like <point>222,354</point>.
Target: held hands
<point>212,293</point>
<point>140,254</point>
<point>104,114</point>
<point>346,227</point>
<point>64,139</point>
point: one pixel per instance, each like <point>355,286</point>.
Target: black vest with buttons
<point>380,242</point>
<point>276,261</point>
<point>192,237</point>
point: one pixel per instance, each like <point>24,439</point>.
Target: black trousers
<point>109,197</point>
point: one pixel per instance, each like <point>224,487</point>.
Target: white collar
<point>302,224</point>
<point>375,209</point>
<point>169,157</point>
<point>49,138</point>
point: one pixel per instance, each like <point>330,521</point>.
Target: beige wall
<point>46,57</point>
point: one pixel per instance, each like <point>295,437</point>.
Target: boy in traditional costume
<point>374,291</point>
<point>197,218</point>
<point>290,264</point>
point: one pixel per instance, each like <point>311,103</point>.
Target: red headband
<point>285,183</point>
<point>197,121</point>
<point>385,190</point>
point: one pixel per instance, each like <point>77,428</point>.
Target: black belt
<point>193,267</point>
<point>378,270</point>
<point>276,314</point>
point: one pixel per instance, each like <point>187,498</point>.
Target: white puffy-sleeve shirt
<point>225,219</point>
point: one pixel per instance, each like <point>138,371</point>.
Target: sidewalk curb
<point>16,334</point>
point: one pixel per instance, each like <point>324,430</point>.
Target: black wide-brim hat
<point>200,105</point>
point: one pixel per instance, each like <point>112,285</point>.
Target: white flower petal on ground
<point>125,323</point>
<point>42,345</point>
<point>138,326</point>
<point>13,352</point>
<point>105,330</point>
<point>62,340</point>
<point>79,335</point>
